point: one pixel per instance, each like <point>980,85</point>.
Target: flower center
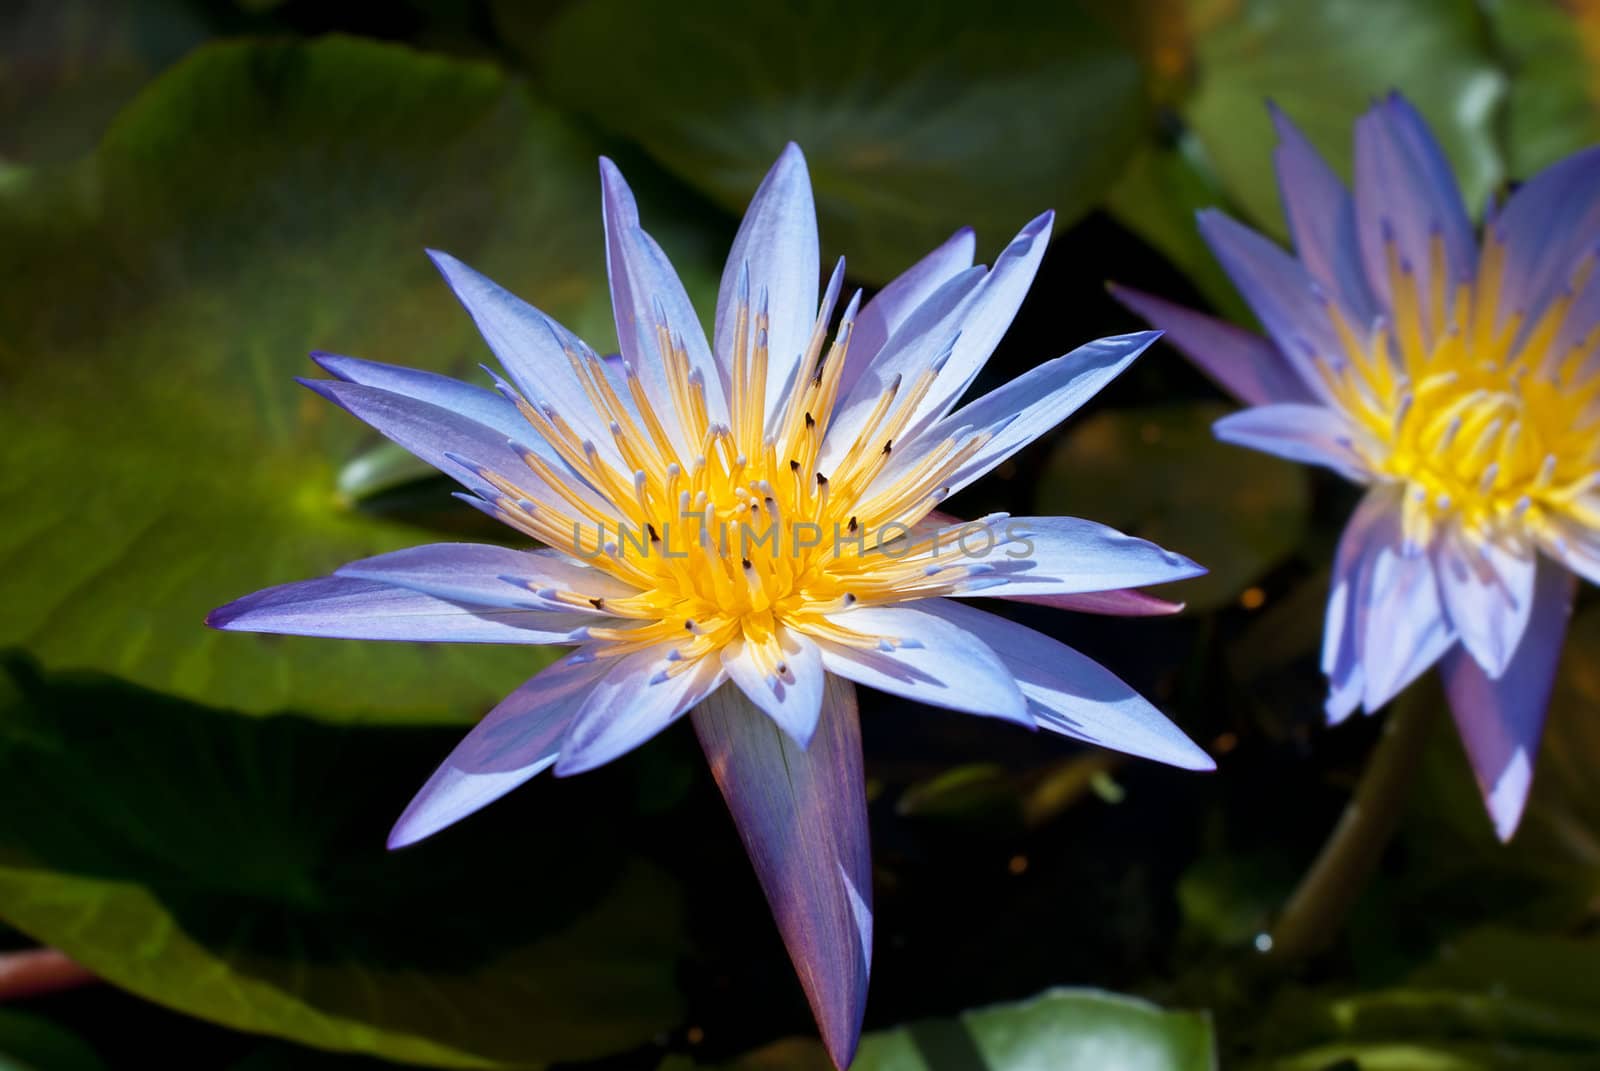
<point>1489,420</point>
<point>746,536</point>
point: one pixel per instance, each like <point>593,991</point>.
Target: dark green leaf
<point>1323,64</point>
<point>257,202</point>
<point>33,1043</point>
<point>1158,473</point>
<point>234,869</point>
<point>915,118</point>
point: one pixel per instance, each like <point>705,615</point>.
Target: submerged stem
<point>1316,910</point>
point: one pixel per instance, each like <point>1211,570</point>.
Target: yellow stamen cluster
<point>746,536</point>
<point>1471,406</point>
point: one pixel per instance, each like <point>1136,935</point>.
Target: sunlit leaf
<point>915,118</point>
<point>234,869</point>
<point>257,202</point>
<point>1157,472</point>
<point>1323,64</point>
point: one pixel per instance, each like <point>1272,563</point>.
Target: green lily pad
<point>234,869</point>
<point>257,202</point>
<point>1323,64</point>
<point>915,118</point>
<point>34,1043</point>
<point>1158,472</point>
<point>1061,1029</point>
<point>1553,50</point>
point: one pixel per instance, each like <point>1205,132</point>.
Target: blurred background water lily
<point>1461,384</point>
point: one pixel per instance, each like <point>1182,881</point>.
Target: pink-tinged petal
<point>1549,224</point>
<point>1309,434</point>
<point>1322,220</point>
<point>1406,193</point>
<point>1022,410</point>
<point>486,575</point>
<point>1074,695</point>
<point>802,815</point>
<point>1290,304</point>
<point>645,292</point>
<point>517,740</point>
<point>925,658</point>
<point>1488,594</point>
<point>1123,603</point>
<point>1060,556</point>
<point>791,693</point>
<point>890,308</point>
<point>351,609</point>
<point>777,244</point>
<point>630,702</point>
<point>1384,613</point>
<point>1501,720</point>
<point>531,347</point>
<point>1241,362</point>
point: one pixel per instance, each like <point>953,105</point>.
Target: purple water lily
<point>1459,382</point>
<point>742,529</point>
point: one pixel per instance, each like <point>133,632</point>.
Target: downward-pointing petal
<point>629,703</point>
<point>802,815</point>
<point>1501,720</point>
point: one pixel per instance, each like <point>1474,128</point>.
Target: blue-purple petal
<point>1028,406</point>
<point>645,289</point>
<point>514,742</point>
<point>1309,434</point>
<point>777,243</point>
<point>630,702</point>
<point>1074,695</point>
<point>1488,592</point>
<point>1500,721</point>
<point>487,575</point>
<point>1549,224</point>
<point>802,815</point>
<point>1322,220</point>
<point>1291,305</point>
<point>1241,362</point>
<point>925,658</point>
<point>881,317</point>
<point>792,698</point>
<point>1064,556</point>
<point>353,609</point>
<point>1407,193</point>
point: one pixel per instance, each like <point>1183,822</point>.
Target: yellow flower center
<point>747,536</point>
<point>1471,407</point>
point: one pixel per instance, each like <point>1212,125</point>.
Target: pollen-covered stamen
<point>747,535</point>
<point>1471,406</point>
